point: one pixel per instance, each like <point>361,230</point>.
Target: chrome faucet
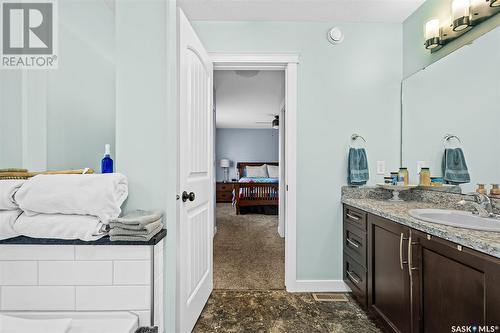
<point>481,203</point>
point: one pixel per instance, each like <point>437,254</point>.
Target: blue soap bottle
<point>107,162</point>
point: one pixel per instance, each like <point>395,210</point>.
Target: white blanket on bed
<point>7,220</point>
<point>99,195</point>
<point>59,226</point>
<point>8,189</point>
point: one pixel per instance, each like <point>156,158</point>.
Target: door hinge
<point>286,187</point>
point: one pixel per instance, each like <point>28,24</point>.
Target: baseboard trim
<point>332,286</point>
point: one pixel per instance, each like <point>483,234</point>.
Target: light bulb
<point>432,33</point>
<point>460,11</point>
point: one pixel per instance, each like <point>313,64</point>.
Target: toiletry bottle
<point>495,191</point>
<point>403,176</point>
<point>395,177</point>
<point>425,177</point>
<point>107,162</point>
<point>481,188</point>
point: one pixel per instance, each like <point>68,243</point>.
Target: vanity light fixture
<point>464,15</point>
<point>460,14</point>
<point>432,33</point>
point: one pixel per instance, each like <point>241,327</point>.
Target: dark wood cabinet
<point>452,285</point>
<point>224,192</point>
<point>415,282</point>
<point>388,276</point>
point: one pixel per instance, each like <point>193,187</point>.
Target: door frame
<point>287,62</point>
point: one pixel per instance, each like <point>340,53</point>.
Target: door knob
<point>188,196</point>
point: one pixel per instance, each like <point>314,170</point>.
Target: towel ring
<point>449,137</point>
<point>355,137</point>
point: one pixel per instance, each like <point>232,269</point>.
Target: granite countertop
<point>23,240</point>
<point>482,241</point>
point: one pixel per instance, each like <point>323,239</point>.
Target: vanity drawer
<point>355,278</point>
<point>355,216</point>
<point>355,243</point>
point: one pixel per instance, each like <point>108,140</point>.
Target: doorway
<point>249,245</point>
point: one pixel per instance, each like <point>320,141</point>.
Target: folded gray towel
<point>125,231</point>
<point>357,167</point>
<point>454,167</point>
<point>137,219</point>
<point>140,238</point>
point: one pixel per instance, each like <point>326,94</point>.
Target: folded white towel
<point>59,226</point>
<point>99,195</point>
<point>7,220</point>
<point>7,190</point>
<point>9,324</point>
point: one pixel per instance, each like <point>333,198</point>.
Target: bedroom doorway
<point>249,245</point>
<point>288,64</point>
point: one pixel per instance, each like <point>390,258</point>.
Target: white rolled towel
<point>59,226</point>
<point>7,220</point>
<point>99,195</point>
<point>8,189</point>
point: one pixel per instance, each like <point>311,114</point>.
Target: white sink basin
<point>456,218</point>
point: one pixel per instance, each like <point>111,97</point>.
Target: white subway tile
<point>37,298</point>
<point>75,273</point>
<point>132,272</point>
<point>112,298</point>
<point>18,273</point>
<point>37,252</point>
<point>112,252</point>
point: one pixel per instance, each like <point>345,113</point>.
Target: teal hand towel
<point>454,167</point>
<point>357,167</point>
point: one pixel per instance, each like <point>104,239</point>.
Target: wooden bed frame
<point>255,194</point>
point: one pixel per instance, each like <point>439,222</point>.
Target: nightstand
<point>224,191</point>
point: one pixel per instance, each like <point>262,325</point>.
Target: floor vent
<point>330,297</point>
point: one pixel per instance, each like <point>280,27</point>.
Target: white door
<point>196,211</point>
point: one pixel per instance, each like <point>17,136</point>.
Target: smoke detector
<point>335,36</point>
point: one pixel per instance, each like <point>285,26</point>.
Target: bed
<point>256,195</point>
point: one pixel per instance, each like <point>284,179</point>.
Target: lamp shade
<point>224,163</point>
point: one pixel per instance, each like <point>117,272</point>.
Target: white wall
<point>459,94</point>
<point>10,119</point>
<point>351,87</point>
<point>245,145</point>
<point>248,101</point>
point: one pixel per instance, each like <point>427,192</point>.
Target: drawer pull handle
<point>352,243</point>
<point>401,262</point>
<point>353,217</point>
<point>353,278</point>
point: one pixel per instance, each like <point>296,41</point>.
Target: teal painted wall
<point>352,87</point>
<point>146,118</point>
<point>415,56</point>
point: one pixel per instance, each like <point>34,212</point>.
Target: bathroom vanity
<point>417,276</point>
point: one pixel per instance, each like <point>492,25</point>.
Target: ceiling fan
<point>275,123</point>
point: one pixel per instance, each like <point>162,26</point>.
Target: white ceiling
<point>300,10</point>
<point>242,101</point>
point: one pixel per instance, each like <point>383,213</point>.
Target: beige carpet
<point>249,254</point>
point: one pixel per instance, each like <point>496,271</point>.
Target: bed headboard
<point>241,166</point>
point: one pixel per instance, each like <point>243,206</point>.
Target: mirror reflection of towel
<point>357,167</point>
<point>454,167</point>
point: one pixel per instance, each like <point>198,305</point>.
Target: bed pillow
<point>273,171</point>
<point>256,171</point>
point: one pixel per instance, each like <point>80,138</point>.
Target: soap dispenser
<point>107,162</point>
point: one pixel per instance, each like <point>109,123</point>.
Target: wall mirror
<point>458,95</point>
